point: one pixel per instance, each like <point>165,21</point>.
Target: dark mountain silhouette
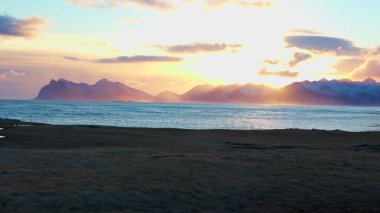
<point>322,92</point>
<point>103,90</point>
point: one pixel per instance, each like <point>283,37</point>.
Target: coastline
<point>116,169</point>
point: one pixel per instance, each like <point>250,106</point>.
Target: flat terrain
<point>47,168</point>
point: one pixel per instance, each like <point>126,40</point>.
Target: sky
<point>174,45</point>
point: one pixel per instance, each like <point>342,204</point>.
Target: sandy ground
<point>46,168</point>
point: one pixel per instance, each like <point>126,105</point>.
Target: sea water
<point>194,116</point>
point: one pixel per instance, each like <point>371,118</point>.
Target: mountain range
<point>103,90</point>
<point>322,92</point>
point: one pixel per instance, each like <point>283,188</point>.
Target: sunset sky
<point>158,45</point>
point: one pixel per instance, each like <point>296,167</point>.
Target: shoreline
<point>65,168</point>
<point>201,103</point>
<point>18,134</point>
<point>16,122</point>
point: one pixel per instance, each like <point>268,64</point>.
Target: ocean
<point>194,116</point>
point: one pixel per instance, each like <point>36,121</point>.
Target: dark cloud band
<point>128,59</point>
<point>323,44</point>
<point>10,26</point>
<point>199,47</point>
<point>139,58</point>
<point>299,57</point>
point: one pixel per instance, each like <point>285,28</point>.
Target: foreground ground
<point>45,168</point>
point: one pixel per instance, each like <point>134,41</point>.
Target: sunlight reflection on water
<point>194,116</point>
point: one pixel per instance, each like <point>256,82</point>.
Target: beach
<point>88,168</point>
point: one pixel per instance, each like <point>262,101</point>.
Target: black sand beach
<point>51,168</point>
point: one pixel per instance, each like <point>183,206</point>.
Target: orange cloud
<point>286,73</point>
<point>371,69</point>
<point>305,31</point>
<point>347,65</point>
<point>271,62</point>
<point>10,74</point>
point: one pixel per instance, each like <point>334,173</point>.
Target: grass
<point>136,170</point>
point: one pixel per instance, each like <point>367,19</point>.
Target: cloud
<point>375,51</point>
<point>15,73</point>
<point>127,59</point>
<point>71,58</point>
<point>298,58</point>
<point>257,3</point>
<point>347,65</point>
<point>305,31</point>
<point>271,62</point>
<point>10,26</point>
<point>156,4</point>
<point>286,73</point>
<point>199,47</point>
<point>5,74</point>
<point>138,58</point>
<point>166,4</point>
<point>323,44</point>
<point>370,69</point>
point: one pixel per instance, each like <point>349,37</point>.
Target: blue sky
<point>356,18</point>
<point>69,18</point>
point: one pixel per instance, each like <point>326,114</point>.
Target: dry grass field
<point>47,168</point>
